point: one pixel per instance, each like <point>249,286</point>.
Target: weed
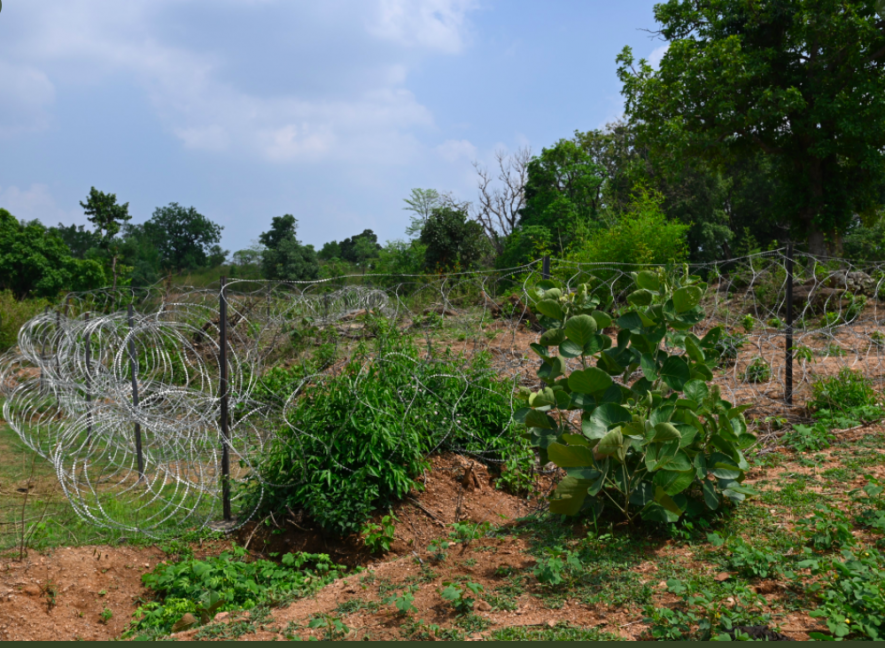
<point>438,549</point>
<point>809,438</point>
<point>404,601</point>
<point>106,615</point>
<point>333,628</point>
<point>473,623</point>
<point>561,632</point>
<point>460,597</point>
<point>728,346</point>
<point>748,560</point>
<point>379,537</point>
<point>467,531</point>
<point>849,394</point>
<point>554,570</point>
<point>827,529</point>
<point>757,371</point>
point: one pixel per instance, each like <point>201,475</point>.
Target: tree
<point>331,250</point>
<point>108,217</point>
<point>183,237</point>
<point>36,262</point>
<point>799,80</point>
<point>352,251</point>
<point>453,241</point>
<point>421,202</point>
<point>499,207</point>
<point>563,194</point>
<point>78,239</point>
<point>284,256</point>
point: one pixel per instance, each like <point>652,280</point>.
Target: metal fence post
<point>57,341</point>
<point>222,384</point>
<point>788,373</point>
<point>133,362</point>
<point>545,267</point>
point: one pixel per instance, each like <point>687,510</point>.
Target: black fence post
<point>57,341</point>
<point>545,267</point>
<point>133,362</point>
<point>788,373</point>
<point>43,355</point>
<point>88,380</point>
<point>222,385</point>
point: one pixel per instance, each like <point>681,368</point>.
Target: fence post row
<point>788,372</point>
<point>133,362</point>
<point>222,384</point>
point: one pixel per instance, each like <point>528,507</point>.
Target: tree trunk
<point>114,270</point>
<point>817,245</point>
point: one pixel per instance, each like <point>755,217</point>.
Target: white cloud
<point>36,202</point>
<point>25,96</point>
<point>84,43</point>
<point>430,24</point>
<point>657,55</point>
<point>455,150</point>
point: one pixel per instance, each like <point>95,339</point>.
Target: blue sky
<point>331,110</point>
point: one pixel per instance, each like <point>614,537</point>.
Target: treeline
<point>738,142</point>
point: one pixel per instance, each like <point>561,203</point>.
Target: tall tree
<point>183,236</point>
<point>500,203</point>
<point>800,80</point>
<point>284,257</point>
<point>358,249</point>
<point>421,202</point>
<point>453,240</point>
<point>108,217</point>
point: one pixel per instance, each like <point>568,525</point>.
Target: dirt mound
<point>63,595</point>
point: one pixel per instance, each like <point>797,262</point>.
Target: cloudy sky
<point>331,110</point>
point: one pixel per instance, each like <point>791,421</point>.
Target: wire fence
<point>154,407</point>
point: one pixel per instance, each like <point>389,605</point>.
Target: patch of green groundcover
<point>355,441</point>
<point>227,582</point>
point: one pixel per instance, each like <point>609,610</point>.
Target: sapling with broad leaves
<point>653,447</point>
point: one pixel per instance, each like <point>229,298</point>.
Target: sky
<point>329,110</point>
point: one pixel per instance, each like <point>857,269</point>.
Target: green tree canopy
<point>35,262</point>
<point>284,256</point>
<point>421,202</point>
<point>453,241</point>
<point>800,80</point>
<point>184,237</point>
<point>355,252</point>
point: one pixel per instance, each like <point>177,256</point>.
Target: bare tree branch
<point>501,198</point>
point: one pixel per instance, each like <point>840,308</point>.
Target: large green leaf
<point>542,398</point>
<point>723,467</point>
<point>552,337</point>
<point>675,373</point>
<point>673,482</point>
<point>649,367</point>
<point>711,497</point>
<point>602,319</point>
<point>550,308</point>
<point>687,298</point>
<point>696,390</point>
<point>552,369</point>
<point>569,349</point>
<point>666,432</point>
<point>570,456</point>
<point>640,297</point>
<point>604,418</point>
<point>693,350</point>
<point>679,462</point>
<point>611,443</point>
<point>537,419</point>
<point>589,381</point>
<point>569,496</point>
<point>580,329</point>
<point>648,280</point>
<point>631,322</point>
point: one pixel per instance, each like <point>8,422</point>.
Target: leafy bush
<point>354,443</point>
<point>641,236</point>
<point>827,529</point>
<point>228,582</point>
<point>379,537</point>
<point>757,371</point>
<point>653,448</point>
<point>13,314</point>
<point>747,560</point>
<point>809,438</point>
<point>728,346</point>
<point>850,394</point>
<point>460,597</point>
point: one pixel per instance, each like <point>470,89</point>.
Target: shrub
<point>641,236</point>
<point>354,442</point>
<point>757,371</point>
<point>650,449</point>
<point>13,314</point>
<point>849,394</point>
<point>728,346</point>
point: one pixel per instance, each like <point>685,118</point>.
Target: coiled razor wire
<point>151,464</point>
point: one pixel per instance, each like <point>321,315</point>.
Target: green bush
<point>13,314</point>
<point>652,449</point>
<point>757,371</point>
<point>354,442</point>
<point>641,236</point>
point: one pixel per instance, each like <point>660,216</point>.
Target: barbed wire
<point>121,390</point>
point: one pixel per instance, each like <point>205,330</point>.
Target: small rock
<point>31,590</point>
<point>551,623</point>
<point>221,616</point>
<point>721,576</point>
<point>482,606</point>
